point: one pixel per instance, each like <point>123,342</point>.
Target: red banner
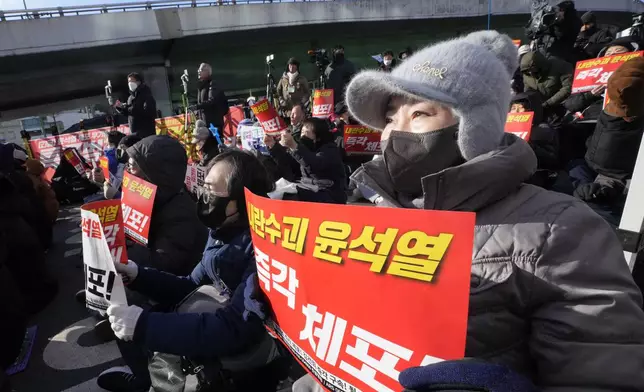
<point>400,282</point>
<point>137,201</point>
<point>520,124</point>
<point>361,140</point>
<point>323,103</point>
<point>72,156</point>
<point>109,213</point>
<point>268,117</point>
<point>89,144</point>
<point>595,72</point>
<point>104,164</point>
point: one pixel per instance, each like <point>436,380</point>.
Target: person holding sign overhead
<point>315,162</point>
<point>551,296</point>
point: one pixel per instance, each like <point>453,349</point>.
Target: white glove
<point>128,271</point>
<point>108,190</point>
<point>123,320</point>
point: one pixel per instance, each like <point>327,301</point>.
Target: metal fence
<point>56,12</point>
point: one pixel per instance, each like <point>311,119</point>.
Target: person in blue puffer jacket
<point>228,260</point>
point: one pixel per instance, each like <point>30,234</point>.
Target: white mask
<point>387,62</point>
<point>133,86</point>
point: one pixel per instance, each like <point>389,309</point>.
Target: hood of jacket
<point>535,60</point>
<point>532,102</point>
<point>470,186</point>
<point>163,161</point>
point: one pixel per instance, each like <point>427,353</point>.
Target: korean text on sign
<point>596,72</point>
<point>103,286</point>
<point>322,103</point>
<point>268,117</point>
<point>361,140</point>
<point>111,218</point>
<point>137,202</point>
<point>520,124</point>
<point>367,259</point>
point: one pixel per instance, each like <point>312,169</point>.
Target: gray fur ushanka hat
<point>470,74</point>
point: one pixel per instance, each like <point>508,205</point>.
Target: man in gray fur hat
<point>551,296</point>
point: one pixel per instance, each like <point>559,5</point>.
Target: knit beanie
<point>470,74</point>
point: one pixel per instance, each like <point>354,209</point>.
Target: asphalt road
<point>65,357</point>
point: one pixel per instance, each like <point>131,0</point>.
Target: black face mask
<point>411,156</point>
<point>211,210</point>
<point>308,142</point>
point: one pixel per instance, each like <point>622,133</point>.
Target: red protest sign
<point>137,202</point>
<point>322,103</point>
<point>595,72</point>
<point>359,139</point>
<point>417,258</point>
<point>109,213</point>
<point>520,124</point>
<point>48,174</point>
<point>104,164</point>
<point>516,42</point>
<point>268,117</point>
<point>74,159</point>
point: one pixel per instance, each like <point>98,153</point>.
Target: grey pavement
<point>65,357</point>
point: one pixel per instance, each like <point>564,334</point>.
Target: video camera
<point>319,57</point>
<point>636,30</point>
<point>541,21</point>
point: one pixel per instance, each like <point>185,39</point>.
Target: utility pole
<point>24,2</point>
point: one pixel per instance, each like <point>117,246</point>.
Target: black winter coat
<point>321,168</point>
<point>591,42</point>
<point>177,237</point>
<point>141,111</point>
<point>212,104</point>
<point>613,146</point>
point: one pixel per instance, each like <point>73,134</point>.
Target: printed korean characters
<point>111,218</point>
<point>268,117</point>
<point>103,286</point>
<point>322,103</point>
<point>520,124</point>
<point>361,140</point>
<point>137,202</point>
<point>596,72</point>
<point>324,267</point>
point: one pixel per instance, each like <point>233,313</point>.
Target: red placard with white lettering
<point>137,201</point>
<point>595,72</point>
<point>322,103</point>
<point>74,159</point>
<point>268,117</point>
<point>104,164</point>
<point>394,293</point>
<point>520,124</point>
<point>359,139</point>
<point>109,213</point>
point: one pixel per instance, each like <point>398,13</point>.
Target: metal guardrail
<point>56,12</point>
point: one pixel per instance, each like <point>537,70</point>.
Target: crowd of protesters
<point>549,277</point>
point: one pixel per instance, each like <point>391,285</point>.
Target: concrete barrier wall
<point>70,32</point>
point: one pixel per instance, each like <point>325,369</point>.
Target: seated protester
<point>113,191</point>
<point>31,206</point>
<point>517,77</point>
<point>205,336</point>
<point>588,105</point>
<point>297,116</point>
<point>591,38</point>
<point>614,145</point>
<point>550,288</point>
<point>21,252</point>
<point>113,139</point>
<point>176,235</point>
<point>35,170</point>
<point>552,78</point>
<point>322,176</point>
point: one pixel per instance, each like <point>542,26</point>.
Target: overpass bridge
<point>64,53</point>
